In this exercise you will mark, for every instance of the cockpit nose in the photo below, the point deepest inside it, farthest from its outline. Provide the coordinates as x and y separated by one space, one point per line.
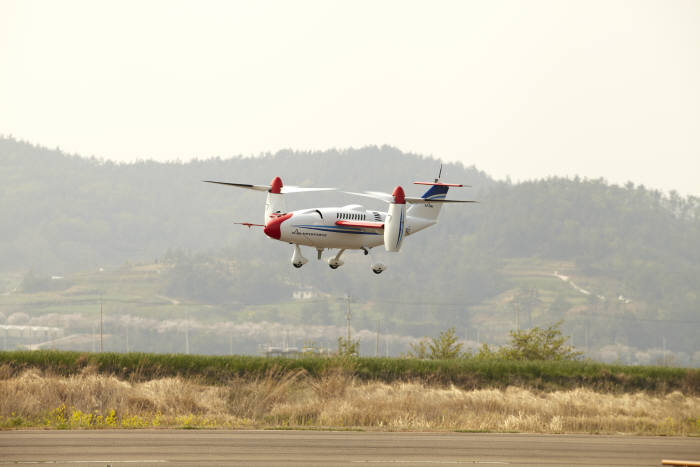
273 228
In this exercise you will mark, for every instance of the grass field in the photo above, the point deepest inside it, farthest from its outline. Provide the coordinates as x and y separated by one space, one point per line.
335 399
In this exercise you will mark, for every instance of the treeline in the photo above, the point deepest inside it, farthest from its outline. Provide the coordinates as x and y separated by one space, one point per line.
65 213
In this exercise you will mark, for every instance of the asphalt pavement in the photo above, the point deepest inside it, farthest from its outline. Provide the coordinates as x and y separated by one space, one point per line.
333 448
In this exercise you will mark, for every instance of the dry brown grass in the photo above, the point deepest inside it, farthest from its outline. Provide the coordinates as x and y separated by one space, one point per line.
335 399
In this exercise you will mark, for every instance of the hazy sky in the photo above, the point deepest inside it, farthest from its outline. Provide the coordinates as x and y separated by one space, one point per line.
527 89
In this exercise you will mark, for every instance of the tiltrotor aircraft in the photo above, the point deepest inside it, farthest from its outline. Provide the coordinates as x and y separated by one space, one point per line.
351 227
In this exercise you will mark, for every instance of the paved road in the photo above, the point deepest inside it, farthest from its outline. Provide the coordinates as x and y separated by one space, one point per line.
319 448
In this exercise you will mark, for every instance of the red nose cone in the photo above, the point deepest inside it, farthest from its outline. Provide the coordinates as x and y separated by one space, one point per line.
399 197
273 228
276 185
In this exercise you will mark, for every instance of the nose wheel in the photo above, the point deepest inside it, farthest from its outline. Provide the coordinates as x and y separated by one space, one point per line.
298 259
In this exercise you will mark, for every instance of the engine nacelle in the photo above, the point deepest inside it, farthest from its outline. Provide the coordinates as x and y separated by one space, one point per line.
275 199
395 222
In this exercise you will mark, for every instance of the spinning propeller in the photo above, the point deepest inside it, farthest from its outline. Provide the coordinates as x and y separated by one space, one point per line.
275 187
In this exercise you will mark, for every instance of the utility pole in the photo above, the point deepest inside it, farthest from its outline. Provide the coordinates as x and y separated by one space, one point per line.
100 323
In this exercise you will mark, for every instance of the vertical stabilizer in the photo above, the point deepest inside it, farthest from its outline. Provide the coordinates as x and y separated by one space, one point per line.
430 210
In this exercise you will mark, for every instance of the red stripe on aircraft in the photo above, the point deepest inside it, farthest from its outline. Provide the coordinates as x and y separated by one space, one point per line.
365 225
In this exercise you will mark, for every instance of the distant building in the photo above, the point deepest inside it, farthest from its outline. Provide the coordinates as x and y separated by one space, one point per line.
271 351
306 293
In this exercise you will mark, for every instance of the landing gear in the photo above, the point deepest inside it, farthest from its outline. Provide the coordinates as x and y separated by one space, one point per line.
377 267
336 262
298 259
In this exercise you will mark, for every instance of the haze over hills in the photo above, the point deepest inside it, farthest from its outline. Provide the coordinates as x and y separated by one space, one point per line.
620 265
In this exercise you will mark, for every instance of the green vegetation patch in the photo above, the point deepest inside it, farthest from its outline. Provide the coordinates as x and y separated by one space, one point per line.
462 372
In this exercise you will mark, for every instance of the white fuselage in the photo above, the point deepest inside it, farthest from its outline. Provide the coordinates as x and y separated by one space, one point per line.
317 227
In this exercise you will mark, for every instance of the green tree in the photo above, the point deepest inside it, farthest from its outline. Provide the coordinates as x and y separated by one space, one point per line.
419 349
539 344
445 346
442 347
348 348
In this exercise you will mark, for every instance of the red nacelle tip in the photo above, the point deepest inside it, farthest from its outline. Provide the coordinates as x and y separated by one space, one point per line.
399 196
273 227
276 185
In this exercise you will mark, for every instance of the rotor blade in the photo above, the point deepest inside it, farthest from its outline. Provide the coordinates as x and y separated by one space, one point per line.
299 189
242 185
386 197
381 195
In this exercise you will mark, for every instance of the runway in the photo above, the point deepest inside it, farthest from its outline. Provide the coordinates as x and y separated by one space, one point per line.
351 449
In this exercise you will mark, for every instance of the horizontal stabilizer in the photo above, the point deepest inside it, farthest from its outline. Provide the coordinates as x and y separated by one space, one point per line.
436 201
363 224
458 185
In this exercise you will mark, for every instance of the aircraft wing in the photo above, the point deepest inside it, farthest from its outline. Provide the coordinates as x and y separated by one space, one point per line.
363 224
249 224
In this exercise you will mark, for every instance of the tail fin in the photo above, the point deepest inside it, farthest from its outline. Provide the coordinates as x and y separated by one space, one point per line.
429 210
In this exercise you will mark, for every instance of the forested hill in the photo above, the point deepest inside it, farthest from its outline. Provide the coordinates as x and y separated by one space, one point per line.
62 213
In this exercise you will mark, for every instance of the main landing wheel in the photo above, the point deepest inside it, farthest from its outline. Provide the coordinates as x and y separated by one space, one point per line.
334 266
